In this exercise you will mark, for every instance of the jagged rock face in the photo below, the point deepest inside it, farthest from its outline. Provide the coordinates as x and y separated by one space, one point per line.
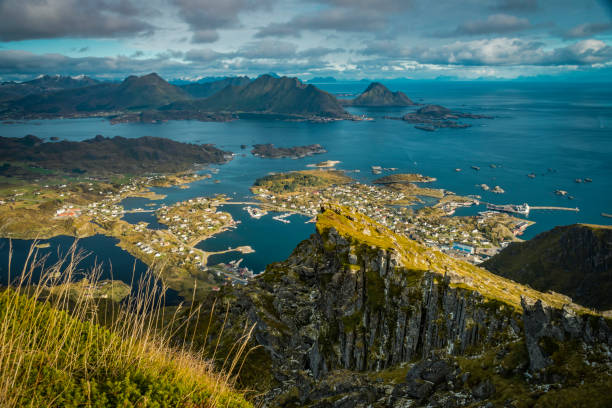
370 314
337 306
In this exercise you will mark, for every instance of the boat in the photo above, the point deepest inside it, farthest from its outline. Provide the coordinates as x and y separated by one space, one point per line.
255 212
475 168
588 180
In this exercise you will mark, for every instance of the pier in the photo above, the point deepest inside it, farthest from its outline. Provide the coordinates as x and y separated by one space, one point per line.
576 209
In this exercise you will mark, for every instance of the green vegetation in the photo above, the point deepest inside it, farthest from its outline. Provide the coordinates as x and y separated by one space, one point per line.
404 178
301 180
55 353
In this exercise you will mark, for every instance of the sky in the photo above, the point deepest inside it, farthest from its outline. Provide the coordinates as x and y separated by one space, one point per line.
347 39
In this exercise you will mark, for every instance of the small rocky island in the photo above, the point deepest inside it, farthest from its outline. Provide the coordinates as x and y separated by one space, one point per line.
432 117
269 151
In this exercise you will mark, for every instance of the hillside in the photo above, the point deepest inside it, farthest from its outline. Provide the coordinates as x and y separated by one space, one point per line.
44 83
55 358
102 156
134 93
268 95
360 316
376 94
575 260
206 89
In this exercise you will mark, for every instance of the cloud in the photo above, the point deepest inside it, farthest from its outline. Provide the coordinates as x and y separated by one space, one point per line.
587 30
516 5
497 52
15 64
205 17
204 36
341 16
32 19
271 49
494 24
203 55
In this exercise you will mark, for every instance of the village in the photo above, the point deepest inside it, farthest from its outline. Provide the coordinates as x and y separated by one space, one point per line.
473 238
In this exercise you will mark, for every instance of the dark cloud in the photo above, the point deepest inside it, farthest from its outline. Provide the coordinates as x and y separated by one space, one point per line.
494 24
587 30
205 17
497 52
204 36
32 19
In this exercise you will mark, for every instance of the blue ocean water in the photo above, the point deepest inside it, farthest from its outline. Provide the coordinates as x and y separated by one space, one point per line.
558 131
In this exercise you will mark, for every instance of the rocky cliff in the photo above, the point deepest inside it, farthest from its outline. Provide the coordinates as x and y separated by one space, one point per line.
575 260
360 316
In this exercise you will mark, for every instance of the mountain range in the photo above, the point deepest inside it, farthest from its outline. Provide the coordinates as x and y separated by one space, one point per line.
145 92
268 95
44 83
151 98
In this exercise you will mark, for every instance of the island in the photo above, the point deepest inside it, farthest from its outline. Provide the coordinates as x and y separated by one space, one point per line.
270 151
376 94
432 117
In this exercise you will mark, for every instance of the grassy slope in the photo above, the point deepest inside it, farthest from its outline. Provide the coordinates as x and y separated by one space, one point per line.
48 358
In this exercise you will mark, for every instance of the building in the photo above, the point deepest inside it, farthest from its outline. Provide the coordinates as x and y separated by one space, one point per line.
463 248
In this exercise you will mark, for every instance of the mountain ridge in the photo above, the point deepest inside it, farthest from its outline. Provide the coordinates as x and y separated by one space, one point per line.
376 94
575 260
268 95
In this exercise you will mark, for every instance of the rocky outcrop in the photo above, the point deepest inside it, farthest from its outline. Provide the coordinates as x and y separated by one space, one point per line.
341 308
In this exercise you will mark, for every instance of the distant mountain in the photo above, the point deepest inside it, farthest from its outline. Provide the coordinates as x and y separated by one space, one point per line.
575 260
322 80
206 89
377 94
42 84
268 95
145 92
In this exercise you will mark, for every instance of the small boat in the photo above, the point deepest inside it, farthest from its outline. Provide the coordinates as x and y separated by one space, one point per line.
588 180
475 168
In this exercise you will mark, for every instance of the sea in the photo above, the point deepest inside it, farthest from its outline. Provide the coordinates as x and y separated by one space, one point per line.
558 131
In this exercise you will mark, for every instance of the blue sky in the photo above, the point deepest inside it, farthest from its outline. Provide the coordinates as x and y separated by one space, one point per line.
416 39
